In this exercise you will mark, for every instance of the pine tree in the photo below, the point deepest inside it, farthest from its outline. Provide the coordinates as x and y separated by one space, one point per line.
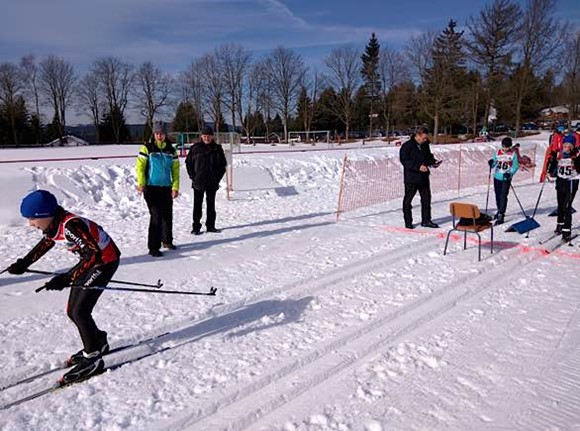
370 74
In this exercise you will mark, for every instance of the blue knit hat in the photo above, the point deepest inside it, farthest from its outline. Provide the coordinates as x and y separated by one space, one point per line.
39 204
569 139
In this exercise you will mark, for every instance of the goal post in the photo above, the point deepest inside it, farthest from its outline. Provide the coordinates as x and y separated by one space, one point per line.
311 137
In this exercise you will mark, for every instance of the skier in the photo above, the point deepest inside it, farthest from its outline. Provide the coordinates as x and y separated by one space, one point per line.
99 259
505 165
565 166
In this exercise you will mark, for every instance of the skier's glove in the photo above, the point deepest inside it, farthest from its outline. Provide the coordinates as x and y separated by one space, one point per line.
507 176
19 267
490 163
57 283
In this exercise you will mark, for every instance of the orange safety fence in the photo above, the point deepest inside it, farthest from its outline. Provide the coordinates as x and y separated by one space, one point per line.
369 182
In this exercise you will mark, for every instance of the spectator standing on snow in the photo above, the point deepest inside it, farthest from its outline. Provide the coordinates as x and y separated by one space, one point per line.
158 179
206 165
565 166
505 164
99 259
416 157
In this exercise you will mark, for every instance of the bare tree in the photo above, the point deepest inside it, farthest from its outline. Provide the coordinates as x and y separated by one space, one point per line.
235 61
192 89
213 88
540 40
571 69
344 76
393 70
492 43
116 78
251 98
90 100
152 91
286 69
57 83
312 85
10 92
30 75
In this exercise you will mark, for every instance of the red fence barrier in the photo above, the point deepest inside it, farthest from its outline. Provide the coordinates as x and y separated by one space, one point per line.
370 182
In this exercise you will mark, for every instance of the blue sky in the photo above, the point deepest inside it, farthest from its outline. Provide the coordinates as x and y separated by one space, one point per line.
171 33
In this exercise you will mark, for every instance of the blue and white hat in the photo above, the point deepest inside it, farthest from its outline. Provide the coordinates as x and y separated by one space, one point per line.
39 204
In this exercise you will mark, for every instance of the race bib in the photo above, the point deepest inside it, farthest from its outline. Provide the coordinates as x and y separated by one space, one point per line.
566 169
504 163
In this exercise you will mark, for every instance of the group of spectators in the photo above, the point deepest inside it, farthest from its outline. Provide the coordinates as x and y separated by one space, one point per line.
562 163
158 179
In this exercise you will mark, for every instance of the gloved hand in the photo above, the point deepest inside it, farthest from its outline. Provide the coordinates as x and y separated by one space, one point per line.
57 283
507 176
490 163
19 267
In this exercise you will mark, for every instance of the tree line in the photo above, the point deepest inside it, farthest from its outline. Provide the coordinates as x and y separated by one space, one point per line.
504 66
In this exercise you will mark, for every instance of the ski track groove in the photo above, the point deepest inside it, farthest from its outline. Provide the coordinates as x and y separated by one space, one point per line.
298 288
560 400
363 340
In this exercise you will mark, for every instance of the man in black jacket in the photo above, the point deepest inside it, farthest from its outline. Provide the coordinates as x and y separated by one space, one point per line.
206 165
416 157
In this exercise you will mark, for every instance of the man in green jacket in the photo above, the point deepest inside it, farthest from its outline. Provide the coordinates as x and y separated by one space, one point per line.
158 180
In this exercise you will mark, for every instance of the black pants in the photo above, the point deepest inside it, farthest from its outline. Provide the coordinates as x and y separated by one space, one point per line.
502 189
160 204
565 192
425 193
81 303
198 208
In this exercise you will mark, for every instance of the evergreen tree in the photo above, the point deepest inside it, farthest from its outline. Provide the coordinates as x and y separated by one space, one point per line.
113 122
186 118
370 74
445 81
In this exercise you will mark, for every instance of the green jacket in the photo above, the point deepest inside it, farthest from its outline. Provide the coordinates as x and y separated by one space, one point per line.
158 165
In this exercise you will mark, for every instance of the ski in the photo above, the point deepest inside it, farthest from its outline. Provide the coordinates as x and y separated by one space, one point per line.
65 366
550 238
561 243
58 385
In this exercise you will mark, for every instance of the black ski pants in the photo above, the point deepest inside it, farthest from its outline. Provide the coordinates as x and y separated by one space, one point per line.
425 193
81 303
565 192
198 208
160 204
502 189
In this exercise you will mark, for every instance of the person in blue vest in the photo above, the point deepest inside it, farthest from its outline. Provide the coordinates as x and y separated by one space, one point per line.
158 179
505 164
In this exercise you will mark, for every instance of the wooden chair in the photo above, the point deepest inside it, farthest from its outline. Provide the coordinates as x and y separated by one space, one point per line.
469 212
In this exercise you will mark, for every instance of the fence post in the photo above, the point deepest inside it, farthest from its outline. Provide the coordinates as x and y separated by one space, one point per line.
341 187
459 171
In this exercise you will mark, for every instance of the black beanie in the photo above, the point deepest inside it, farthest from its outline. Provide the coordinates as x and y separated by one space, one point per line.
506 142
207 130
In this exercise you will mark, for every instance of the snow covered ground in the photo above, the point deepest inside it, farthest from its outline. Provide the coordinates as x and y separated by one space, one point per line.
317 325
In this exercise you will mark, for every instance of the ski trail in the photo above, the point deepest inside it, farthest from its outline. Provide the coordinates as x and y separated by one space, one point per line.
278 389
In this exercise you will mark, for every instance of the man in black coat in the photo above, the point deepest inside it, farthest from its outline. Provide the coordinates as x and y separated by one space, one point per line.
416 158
206 165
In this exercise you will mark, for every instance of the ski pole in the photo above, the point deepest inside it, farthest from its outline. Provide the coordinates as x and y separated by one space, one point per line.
517 199
211 292
158 285
539 197
488 186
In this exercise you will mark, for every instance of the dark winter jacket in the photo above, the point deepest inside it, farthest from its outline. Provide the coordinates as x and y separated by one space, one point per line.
206 165
412 155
